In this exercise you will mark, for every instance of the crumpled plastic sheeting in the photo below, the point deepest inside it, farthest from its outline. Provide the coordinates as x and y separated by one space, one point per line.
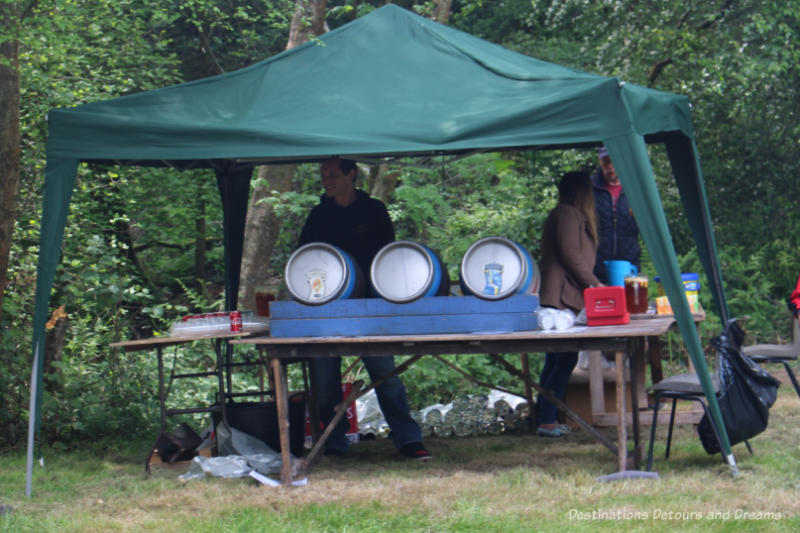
240 454
370 417
368 409
512 399
229 466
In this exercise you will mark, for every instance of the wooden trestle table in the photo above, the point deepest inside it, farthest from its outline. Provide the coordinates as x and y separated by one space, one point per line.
626 341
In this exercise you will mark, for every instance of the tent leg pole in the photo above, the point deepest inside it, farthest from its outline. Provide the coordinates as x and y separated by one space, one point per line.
32 424
732 463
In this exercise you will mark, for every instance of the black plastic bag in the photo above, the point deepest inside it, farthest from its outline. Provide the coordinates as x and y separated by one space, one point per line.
746 392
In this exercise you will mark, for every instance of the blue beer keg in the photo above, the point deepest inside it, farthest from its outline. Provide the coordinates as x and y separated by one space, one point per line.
494 268
318 273
404 271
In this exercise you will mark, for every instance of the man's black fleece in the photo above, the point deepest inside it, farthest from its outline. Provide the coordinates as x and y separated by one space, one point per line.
360 229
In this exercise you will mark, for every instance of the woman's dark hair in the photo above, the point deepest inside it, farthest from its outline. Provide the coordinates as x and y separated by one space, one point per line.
576 188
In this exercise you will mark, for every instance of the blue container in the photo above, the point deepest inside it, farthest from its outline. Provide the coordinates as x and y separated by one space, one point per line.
617 271
691 283
405 271
318 273
494 268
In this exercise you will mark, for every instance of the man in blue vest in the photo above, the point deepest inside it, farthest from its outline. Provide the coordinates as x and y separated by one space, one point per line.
618 234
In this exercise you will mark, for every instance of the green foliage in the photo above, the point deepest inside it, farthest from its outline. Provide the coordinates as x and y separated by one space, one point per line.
750 293
506 194
15 350
212 37
97 391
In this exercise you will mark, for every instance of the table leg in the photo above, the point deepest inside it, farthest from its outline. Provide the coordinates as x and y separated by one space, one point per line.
221 367
309 377
596 383
526 369
161 392
654 354
228 365
261 383
622 435
162 400
635 354
282 403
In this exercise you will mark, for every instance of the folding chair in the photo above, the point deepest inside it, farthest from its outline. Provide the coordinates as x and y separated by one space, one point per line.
779 353
679 387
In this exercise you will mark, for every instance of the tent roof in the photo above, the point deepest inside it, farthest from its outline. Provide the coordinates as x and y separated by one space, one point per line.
436 88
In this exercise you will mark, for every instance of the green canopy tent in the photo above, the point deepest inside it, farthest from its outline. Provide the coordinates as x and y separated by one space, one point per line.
388 85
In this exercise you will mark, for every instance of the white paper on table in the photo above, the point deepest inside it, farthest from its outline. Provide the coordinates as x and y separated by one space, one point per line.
573 329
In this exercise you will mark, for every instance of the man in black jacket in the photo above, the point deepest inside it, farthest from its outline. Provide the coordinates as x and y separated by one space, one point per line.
350 219
618 234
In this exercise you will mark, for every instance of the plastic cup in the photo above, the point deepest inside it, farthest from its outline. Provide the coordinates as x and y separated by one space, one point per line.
262 302
636 293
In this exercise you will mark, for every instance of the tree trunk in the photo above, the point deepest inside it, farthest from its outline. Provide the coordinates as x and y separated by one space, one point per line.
308 21
9 139
54 349
382 182
441 13
262 225
260 233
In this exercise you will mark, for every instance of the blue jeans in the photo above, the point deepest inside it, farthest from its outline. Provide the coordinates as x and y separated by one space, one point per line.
391 397
555 375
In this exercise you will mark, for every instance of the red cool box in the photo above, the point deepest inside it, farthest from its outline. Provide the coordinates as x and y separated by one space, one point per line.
605 306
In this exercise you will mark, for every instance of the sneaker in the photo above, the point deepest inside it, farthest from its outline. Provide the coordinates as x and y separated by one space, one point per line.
558 431
415 450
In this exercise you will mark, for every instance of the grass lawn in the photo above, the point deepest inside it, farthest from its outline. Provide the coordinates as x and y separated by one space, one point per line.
503 483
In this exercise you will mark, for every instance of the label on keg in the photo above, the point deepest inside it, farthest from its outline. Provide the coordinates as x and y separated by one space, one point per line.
493 274
316 284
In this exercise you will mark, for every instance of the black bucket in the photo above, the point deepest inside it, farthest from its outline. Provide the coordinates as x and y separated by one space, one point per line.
260 420
405 271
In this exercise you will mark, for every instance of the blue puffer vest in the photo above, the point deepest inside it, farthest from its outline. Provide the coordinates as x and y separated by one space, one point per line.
618 234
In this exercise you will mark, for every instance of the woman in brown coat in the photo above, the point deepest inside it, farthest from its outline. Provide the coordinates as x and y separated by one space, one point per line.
569 246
